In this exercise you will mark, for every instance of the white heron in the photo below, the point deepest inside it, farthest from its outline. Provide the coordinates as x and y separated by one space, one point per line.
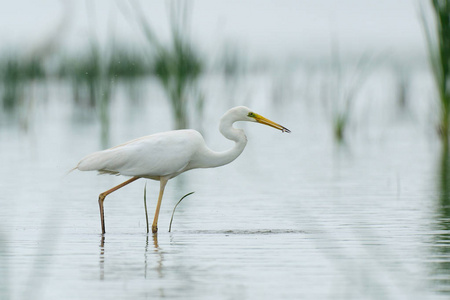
164 155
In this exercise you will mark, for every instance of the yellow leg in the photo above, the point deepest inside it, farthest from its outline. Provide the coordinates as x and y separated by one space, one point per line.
162 185
102 196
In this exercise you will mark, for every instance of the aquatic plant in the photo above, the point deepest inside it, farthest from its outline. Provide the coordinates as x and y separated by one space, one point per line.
175 207
11 83
437 33
126 63
344 91
113 62
84 70
91 83
232 62
15 72
177 65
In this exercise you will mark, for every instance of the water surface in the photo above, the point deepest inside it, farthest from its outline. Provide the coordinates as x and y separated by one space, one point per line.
296 216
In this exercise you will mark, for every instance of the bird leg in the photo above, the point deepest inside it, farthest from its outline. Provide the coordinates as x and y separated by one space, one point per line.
103 195
162 185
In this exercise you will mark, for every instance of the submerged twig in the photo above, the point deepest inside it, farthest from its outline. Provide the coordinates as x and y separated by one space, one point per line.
145 205
171 219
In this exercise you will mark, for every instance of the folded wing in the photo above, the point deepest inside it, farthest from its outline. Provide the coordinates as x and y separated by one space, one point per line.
157 155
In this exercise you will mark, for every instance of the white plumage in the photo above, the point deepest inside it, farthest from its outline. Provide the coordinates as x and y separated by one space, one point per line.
162 156
165 154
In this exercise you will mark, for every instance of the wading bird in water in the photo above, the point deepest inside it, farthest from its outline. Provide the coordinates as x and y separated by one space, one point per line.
163 156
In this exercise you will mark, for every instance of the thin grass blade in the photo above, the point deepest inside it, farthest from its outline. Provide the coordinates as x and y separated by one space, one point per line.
171 219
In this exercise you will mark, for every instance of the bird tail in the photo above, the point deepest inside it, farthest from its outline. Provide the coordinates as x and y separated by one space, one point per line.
71 170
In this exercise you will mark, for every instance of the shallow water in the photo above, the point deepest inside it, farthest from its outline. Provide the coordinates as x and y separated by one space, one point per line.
296 216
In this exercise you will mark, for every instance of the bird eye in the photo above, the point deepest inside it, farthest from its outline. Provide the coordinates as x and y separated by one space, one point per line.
251 115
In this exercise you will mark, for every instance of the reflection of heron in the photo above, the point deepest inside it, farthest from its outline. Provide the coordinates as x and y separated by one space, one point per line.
102 258
163 156
158 251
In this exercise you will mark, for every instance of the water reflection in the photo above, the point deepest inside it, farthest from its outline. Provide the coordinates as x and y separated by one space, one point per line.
441 241
145 256
159 253
158 257
102 258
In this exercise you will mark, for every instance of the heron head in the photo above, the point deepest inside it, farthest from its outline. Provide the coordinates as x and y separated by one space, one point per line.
242 113
254 117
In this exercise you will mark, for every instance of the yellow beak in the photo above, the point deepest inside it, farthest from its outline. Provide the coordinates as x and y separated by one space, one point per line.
262 120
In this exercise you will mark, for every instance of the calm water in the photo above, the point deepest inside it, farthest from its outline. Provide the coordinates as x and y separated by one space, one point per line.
295 217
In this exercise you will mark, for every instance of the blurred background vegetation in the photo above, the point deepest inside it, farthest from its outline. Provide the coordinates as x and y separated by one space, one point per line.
348 62
173 57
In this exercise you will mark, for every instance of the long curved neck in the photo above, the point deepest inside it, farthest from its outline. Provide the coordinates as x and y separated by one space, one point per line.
217 159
